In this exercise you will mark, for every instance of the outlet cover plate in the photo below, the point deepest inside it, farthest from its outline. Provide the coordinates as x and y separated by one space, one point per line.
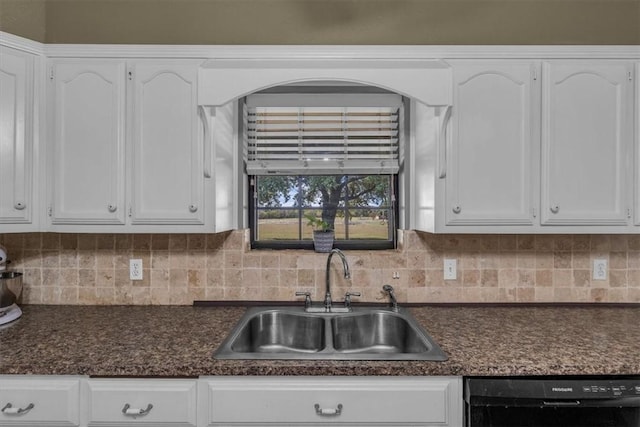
450 269
135 269
599 269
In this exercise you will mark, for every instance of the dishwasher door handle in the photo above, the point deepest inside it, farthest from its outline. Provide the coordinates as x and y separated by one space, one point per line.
562 403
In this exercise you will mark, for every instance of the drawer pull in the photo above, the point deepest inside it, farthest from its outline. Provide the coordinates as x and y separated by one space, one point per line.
328 412
10 410
136 412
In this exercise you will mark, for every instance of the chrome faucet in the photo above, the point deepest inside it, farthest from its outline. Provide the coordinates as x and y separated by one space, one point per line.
394 302
347 275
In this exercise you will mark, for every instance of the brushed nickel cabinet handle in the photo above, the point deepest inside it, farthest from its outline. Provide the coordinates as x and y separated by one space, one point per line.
328 412
10 410
135 412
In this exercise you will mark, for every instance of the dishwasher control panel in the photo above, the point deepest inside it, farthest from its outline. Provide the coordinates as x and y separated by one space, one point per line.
614 389
592 389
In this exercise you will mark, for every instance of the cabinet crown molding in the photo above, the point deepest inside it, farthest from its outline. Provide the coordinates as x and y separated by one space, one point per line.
322 51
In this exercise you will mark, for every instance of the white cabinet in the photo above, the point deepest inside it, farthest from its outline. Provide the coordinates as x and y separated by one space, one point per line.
150 402
68 401
87 155
533 149
167 170
16 138
491 156
128 151
587 130
32 401
637 150
341 401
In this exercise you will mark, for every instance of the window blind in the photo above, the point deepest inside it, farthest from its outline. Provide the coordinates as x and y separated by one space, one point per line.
322 134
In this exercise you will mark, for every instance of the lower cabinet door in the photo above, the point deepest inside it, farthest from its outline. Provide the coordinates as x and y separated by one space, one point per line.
301 401
150 402
39 401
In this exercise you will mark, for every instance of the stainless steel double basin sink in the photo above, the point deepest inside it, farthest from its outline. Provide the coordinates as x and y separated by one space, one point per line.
364 333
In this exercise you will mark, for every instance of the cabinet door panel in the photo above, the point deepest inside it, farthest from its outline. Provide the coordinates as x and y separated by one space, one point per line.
151 402
167 154
637 149
16 100
45 401
489 175
585 142
318 401
88 152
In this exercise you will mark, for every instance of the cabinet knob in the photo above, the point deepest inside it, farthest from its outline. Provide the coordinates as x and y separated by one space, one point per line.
193 208
20 206
135 412
555 209
112 208
10 410
457 209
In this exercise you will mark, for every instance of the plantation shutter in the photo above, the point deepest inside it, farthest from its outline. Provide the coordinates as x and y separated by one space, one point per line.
322 134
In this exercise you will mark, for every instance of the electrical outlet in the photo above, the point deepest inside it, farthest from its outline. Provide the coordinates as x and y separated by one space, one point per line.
599 269
135 269
450 269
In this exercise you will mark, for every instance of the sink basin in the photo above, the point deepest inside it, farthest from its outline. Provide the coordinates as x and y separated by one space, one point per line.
277 331
366 333
377 332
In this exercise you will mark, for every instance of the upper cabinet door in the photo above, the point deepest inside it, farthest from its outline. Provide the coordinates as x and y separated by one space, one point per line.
167 159
88 142
586 138
16 104
490 160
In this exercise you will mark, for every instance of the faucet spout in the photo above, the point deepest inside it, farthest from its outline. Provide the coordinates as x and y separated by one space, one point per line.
347 275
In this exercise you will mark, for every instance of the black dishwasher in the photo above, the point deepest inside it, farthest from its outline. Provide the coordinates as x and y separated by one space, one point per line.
552 402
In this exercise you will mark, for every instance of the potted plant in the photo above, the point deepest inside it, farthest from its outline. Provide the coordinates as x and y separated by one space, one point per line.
323 234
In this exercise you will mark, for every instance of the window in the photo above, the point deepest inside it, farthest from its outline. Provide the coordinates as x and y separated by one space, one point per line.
328 156
359 208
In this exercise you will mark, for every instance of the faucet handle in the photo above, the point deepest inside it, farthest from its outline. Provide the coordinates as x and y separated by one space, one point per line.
307 298
392 296
347 298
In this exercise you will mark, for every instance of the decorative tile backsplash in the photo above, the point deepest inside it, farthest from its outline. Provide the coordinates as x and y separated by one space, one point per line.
180 268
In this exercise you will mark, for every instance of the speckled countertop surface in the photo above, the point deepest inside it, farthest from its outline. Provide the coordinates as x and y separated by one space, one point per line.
178 341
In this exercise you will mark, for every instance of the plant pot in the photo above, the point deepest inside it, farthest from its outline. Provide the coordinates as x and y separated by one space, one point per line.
323 240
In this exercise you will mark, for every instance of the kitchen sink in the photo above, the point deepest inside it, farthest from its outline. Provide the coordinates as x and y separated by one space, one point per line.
364 333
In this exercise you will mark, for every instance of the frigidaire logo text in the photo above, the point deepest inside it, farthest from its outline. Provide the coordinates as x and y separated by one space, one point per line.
562 389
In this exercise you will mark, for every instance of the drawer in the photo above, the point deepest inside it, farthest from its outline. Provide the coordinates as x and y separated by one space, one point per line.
153 402
362 401
39 401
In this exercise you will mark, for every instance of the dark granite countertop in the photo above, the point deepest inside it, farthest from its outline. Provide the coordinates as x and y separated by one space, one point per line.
178 341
